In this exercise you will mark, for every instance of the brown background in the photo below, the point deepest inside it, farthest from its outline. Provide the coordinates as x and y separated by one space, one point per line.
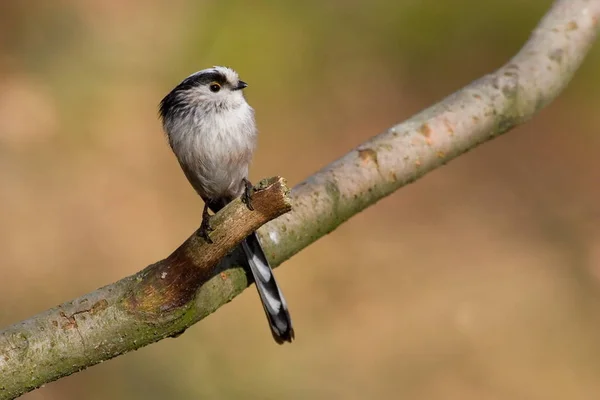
480 281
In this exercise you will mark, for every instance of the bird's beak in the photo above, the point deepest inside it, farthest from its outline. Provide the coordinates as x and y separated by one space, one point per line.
241 85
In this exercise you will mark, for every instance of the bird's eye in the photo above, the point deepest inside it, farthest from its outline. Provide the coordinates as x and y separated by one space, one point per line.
214 87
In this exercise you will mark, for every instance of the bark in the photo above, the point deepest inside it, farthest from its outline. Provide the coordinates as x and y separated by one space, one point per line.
160 301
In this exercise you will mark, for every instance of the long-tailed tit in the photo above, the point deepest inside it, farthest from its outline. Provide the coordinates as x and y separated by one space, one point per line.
212 131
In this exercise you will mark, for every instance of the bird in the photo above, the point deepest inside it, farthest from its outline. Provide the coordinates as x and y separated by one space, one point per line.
212 131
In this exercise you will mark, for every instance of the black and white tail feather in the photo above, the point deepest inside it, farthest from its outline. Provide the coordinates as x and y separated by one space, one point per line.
270 295
269 292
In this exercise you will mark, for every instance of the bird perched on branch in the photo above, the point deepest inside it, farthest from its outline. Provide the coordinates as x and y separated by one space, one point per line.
212 131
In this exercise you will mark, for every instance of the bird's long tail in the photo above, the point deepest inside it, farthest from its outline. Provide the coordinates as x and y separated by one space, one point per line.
270 295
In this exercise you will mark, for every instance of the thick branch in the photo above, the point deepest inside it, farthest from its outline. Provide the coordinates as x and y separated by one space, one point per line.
155 303
163 301
475 114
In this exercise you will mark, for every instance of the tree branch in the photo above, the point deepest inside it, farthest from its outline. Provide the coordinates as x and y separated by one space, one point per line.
160 301
473 115
164 299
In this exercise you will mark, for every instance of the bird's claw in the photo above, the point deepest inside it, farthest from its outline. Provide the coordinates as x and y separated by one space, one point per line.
205 227
247 195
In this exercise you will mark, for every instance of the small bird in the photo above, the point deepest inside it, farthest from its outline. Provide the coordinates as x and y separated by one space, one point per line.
211 129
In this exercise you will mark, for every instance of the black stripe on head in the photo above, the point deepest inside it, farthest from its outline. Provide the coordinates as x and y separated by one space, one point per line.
203 78
173 103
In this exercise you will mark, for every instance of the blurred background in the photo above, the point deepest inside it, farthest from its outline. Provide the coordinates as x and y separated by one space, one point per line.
484 276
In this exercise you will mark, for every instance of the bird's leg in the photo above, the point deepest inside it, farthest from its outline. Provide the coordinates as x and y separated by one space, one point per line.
205 227
247 195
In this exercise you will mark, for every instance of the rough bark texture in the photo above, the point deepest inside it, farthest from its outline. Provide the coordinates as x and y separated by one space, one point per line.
473 115
162 300
169 296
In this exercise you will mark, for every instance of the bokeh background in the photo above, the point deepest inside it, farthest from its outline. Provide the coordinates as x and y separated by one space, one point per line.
479 281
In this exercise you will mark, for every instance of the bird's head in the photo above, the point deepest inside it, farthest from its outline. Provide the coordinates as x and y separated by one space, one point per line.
212 89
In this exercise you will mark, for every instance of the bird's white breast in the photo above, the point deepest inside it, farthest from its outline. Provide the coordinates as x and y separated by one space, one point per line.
215 149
